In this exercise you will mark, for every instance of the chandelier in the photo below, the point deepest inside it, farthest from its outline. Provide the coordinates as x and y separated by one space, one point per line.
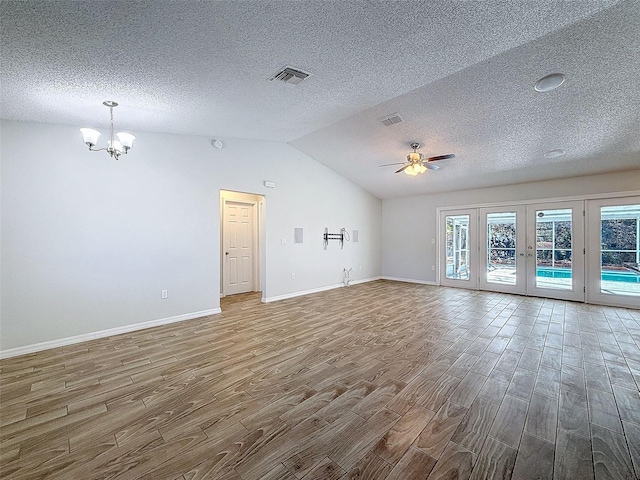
115 147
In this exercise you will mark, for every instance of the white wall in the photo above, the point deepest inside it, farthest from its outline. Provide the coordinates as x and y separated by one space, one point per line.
410 224
88 243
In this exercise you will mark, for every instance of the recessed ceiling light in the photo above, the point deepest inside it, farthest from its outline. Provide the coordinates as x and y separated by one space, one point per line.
554 153
549 82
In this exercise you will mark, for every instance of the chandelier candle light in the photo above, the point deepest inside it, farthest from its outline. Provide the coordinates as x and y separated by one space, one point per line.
115 148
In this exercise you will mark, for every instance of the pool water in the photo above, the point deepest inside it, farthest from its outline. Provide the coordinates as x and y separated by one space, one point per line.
626 277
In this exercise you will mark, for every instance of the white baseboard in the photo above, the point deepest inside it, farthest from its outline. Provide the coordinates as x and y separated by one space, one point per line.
409 280
62 342
315 290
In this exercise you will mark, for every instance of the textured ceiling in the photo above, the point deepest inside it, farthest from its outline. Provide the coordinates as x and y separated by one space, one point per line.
459 73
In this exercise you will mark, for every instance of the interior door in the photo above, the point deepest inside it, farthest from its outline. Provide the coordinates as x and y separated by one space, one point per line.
614 251
555 251
238 247
458 260
502 241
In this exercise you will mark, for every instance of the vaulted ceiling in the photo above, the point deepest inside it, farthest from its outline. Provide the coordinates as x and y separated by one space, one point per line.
459 74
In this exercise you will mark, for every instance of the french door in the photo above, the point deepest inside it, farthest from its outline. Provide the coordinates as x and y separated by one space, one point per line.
614 246
458 260
555 250
533 249
502 249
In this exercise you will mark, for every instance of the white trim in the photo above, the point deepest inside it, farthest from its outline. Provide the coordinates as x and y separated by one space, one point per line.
62 342
594 255
409 280
315 290
593 196
227 197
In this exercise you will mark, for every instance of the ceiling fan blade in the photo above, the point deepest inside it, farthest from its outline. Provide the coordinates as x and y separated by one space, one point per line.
403 168
440 157
431 166
389 164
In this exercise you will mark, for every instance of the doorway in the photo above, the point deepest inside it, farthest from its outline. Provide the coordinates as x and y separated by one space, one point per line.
241 234
535 249
614 246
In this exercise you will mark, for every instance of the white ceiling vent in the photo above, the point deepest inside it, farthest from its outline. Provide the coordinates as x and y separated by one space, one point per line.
389 120
290 75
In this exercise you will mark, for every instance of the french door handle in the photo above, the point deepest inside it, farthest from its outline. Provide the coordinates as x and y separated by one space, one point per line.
522 254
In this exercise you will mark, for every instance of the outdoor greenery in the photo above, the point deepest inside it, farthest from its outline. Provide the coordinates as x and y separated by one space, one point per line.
617 235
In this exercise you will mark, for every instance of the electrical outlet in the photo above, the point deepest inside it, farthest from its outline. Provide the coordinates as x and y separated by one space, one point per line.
433 267
360 267
293 276
164 294
283 241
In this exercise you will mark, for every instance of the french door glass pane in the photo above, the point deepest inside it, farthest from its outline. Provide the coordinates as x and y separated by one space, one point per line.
620 250
501 248
457 236
554 249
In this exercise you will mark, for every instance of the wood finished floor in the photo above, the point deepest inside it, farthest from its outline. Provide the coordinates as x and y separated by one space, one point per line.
383 380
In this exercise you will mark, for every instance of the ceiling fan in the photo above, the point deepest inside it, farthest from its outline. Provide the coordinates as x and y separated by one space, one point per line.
416 162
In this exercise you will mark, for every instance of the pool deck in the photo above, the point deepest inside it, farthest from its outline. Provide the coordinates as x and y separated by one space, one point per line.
506 276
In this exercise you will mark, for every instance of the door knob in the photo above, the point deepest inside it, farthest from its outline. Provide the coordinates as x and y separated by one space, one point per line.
226 253
522 254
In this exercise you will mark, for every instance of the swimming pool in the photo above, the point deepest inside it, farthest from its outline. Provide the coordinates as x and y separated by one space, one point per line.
625 277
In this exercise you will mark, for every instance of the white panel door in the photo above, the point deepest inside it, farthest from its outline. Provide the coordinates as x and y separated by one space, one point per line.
458 248
502 242
613 251
555 250
238 246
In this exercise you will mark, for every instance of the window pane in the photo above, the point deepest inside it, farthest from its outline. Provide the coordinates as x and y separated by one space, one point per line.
619 234
544 234
457 228
553 249
501 244
563 235
562 258
620 250
617 260
502 235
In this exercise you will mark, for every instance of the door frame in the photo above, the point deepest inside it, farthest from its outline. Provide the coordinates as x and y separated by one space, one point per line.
578 232
520 287
472 242
257 202
593 229
589 200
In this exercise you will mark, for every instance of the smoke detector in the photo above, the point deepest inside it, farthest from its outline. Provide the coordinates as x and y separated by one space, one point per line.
290 75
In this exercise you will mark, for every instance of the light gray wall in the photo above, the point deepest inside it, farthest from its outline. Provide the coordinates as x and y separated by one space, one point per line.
410 224
88 243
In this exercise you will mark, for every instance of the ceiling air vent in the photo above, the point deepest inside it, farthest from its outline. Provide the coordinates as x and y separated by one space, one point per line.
389 120
290 75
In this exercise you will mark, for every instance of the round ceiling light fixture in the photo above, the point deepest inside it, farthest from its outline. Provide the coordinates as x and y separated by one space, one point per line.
554 153
549 82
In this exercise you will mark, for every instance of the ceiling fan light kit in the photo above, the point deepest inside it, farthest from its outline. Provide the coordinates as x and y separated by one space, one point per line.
417 163
115 147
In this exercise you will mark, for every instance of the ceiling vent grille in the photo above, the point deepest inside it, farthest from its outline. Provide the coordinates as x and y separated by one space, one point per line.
290 75
389 120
